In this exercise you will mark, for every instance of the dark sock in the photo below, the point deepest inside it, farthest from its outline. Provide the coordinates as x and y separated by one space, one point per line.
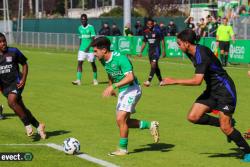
226 59
208 120
25 121
158 74
151 74
32 119
239 141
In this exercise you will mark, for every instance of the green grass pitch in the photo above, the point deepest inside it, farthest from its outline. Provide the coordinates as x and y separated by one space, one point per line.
81 112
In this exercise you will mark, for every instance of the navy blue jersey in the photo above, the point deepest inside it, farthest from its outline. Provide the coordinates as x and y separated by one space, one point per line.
9 67
217 80
154 38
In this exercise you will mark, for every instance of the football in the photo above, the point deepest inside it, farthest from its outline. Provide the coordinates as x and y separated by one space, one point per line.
71 146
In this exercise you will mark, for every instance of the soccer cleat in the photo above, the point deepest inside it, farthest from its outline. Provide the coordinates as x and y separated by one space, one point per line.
41 130
1 112
29 130
119 152
95 82
161 83
146 83
233 122
154 129
76 82
246 158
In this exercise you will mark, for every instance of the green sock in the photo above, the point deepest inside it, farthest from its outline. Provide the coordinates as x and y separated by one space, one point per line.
95 75
79 75
123 144
145 124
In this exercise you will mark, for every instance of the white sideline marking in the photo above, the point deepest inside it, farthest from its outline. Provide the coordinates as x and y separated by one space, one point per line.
60 148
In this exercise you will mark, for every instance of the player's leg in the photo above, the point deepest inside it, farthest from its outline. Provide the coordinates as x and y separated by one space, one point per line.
81 58
39 126
234 135
15 106
152 72
198 115
158 73
91 59
121 120
226 50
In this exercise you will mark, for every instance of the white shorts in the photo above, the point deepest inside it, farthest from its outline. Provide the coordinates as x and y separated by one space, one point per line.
128 99
84 55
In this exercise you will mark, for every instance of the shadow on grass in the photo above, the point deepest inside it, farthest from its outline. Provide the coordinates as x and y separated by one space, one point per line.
103 82
49 134
236 154
162 147
8 115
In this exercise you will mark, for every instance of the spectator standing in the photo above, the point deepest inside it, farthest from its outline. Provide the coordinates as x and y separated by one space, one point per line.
189 23
138 28
171 29
115 31
105 30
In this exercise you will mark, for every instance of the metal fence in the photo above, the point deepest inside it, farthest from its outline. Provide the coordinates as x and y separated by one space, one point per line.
242 27
47 40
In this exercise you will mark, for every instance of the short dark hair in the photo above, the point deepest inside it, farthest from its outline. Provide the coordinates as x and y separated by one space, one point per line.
2 35
101 43
84 15
188 35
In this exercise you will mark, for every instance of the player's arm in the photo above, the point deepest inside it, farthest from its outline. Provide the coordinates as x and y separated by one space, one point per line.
195 81
142 48
109 91
163 47
24 76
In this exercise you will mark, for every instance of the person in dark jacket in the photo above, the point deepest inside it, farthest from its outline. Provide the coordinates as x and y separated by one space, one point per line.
115 31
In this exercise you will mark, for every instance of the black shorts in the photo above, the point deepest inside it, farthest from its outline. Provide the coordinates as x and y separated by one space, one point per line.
225 104
12 88
224 45
154 55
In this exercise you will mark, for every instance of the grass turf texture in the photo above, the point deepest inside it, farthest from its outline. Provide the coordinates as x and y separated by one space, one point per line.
81 112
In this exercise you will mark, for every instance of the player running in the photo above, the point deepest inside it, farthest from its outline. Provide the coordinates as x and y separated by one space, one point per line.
86 34
121 77
154 37
220 93
12 83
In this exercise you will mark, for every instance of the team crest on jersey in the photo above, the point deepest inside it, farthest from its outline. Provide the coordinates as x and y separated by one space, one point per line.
9 59
113 65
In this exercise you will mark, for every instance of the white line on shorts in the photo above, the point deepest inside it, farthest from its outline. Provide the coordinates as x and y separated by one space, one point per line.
60 148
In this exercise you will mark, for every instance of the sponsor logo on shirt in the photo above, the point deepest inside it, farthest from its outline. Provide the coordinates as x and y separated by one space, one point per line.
5 69
226 108
8 59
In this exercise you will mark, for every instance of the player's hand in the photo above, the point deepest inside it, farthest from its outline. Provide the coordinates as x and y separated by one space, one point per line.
168 81
109 91
21 84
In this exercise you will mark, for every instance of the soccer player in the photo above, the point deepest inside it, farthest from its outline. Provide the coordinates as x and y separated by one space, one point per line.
223 35
220 93
12 83
86 34
154 37
121 77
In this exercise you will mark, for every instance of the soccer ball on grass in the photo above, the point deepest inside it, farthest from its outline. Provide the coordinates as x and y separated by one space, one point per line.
71 146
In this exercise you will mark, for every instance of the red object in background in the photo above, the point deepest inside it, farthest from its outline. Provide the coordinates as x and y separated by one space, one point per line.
216 112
